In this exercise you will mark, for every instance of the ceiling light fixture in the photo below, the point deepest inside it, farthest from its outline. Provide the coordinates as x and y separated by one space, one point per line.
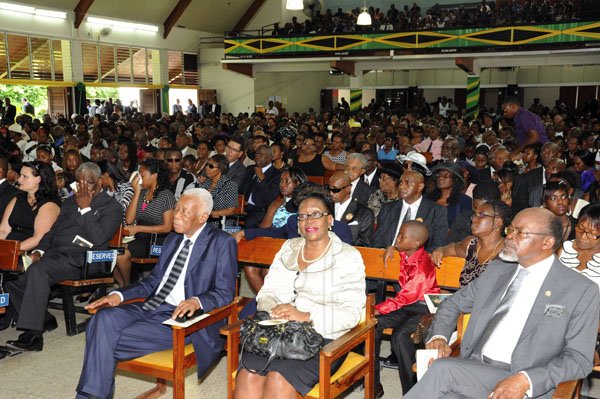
17 8
364 18
49 13
294 5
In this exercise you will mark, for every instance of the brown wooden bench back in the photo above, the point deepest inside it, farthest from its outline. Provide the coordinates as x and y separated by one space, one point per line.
9 254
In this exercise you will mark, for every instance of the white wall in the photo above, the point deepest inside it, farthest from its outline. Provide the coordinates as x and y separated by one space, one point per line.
547 95
235 92
299 91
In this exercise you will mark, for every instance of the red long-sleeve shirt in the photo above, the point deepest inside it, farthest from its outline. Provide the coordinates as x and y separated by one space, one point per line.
417 278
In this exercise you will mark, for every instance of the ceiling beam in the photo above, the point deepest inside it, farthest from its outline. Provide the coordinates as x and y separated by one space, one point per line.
174 16
244 69
345 66
248 15
80 10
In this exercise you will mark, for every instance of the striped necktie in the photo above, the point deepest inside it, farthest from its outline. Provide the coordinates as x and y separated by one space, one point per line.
157 300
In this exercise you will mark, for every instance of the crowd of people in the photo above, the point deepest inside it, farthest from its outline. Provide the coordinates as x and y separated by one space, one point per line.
465 15
521 185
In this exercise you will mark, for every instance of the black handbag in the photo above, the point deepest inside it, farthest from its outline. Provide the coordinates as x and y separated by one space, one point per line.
291 340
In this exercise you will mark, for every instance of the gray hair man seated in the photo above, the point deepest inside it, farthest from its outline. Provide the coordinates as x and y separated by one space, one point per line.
533 323
197 269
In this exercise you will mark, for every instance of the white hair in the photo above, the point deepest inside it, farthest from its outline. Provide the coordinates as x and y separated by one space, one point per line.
206 201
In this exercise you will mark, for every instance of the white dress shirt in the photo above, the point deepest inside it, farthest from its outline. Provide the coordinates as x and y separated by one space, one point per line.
341 208
177 294
369 178
503 340
414 207
354 184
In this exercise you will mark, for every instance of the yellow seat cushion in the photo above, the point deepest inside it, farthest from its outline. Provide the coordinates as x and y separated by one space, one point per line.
162 358
352 360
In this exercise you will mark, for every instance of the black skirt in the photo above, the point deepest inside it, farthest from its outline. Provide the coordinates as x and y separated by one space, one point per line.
303 375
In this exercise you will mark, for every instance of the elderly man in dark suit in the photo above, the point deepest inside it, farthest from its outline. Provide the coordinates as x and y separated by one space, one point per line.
196 270
412 207
533 322
260 186
90 214
356 165
348 210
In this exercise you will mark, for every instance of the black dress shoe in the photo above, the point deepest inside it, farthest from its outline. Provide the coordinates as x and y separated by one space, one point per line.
28 342
378 391
50 324
390 362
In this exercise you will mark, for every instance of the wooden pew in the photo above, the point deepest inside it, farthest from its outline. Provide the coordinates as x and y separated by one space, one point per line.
9 261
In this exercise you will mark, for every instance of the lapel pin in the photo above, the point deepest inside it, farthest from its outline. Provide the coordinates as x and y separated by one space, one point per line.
548 294
349 216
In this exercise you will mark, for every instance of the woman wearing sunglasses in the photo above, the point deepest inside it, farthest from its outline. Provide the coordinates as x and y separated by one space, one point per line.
223 191
314 278
487 226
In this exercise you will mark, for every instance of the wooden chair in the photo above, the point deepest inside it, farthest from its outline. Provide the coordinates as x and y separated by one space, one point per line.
316 179
139 264
9 261
239 213
354 368
448 273
171 364
564 390
87 283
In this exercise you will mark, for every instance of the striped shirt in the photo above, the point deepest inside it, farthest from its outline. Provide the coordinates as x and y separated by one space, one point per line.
153 214
225 193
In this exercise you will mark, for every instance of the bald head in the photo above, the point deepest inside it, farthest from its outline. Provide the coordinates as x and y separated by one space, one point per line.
340 179
414 176
535 234
417 231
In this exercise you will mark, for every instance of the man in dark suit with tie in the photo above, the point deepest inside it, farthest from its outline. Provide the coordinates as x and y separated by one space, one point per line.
392 214
533 322
213 108
234 152
348 210
356 165
7 190
260 186
90 214
196 270
372 172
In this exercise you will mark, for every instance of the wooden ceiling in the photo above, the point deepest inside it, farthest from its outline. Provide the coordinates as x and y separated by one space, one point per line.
213 16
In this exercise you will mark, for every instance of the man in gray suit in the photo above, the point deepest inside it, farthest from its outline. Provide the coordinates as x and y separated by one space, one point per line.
533 324
233 152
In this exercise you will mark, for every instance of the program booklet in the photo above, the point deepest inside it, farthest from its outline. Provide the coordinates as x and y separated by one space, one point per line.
433 301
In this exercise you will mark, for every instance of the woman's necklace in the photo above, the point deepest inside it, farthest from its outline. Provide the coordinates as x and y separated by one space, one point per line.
493 252
318 257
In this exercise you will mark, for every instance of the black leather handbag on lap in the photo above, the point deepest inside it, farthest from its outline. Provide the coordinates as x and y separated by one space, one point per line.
291 340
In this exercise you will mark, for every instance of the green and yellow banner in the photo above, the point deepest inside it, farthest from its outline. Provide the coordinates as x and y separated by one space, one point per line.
473 82
355 100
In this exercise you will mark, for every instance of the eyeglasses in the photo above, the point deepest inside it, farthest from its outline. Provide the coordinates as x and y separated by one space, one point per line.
583 232
314 215
520 233
211 166
481 215
336 190
171 160
233 149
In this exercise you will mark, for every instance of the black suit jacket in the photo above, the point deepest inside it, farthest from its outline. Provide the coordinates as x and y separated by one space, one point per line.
263 193
361 221
434 216
523 186
362 192
485 174
375 181
211 277
97 226
237 173
7 192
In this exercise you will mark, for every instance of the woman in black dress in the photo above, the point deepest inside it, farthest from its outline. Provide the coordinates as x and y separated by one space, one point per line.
308 160
32 212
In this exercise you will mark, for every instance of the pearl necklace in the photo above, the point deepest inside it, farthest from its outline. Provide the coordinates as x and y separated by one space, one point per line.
317 258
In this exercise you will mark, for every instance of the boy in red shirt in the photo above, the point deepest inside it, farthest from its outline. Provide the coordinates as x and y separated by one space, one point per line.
403 311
